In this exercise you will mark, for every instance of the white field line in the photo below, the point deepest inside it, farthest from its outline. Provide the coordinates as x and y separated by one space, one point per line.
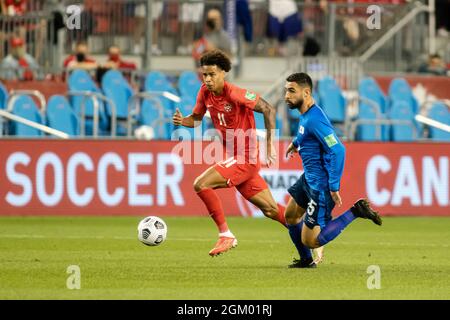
35 236
403 244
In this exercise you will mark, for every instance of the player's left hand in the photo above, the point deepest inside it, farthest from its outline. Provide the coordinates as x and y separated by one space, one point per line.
271 155
336 198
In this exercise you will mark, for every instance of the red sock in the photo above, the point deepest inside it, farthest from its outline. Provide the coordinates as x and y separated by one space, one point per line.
215 209
281 219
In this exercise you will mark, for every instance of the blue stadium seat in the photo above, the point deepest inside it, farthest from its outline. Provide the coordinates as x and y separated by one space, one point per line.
400 110
259 121
25 107
369 89
331 99
3 96
60 116
152 116
157 81
368 132
279 124
399 90
293 119
189 84
439 112
316 97
117 88
80 80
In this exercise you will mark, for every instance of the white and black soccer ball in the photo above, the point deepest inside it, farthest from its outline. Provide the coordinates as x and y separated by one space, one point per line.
152 231
144 133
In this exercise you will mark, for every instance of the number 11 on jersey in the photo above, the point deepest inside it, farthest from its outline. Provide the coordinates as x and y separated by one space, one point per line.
221 117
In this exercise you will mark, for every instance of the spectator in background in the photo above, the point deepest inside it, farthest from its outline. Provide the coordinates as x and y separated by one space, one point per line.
13 7
311 48
18 65
139 13
115 60
80 59
215 37
244 19
88 23
8 28
435 65
190 14
284 22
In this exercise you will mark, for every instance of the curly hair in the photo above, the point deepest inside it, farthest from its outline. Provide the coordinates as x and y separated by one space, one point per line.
218 58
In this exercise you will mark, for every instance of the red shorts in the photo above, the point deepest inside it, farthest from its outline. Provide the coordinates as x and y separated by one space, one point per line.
245 177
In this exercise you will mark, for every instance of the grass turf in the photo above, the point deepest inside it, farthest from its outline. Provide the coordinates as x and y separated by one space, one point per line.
413 255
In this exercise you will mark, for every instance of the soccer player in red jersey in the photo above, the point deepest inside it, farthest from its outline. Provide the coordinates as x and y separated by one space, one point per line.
231 109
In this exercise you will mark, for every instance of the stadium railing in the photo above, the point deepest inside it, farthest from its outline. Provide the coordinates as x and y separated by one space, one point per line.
433 123
408 26
378 123
36 29
107 22
134 107
338 28
12 117
347 71
13 94
349 119
96 118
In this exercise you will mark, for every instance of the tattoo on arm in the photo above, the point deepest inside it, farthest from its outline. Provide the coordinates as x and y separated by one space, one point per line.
262 106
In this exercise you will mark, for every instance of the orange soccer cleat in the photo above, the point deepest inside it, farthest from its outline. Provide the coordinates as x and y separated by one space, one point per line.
223 245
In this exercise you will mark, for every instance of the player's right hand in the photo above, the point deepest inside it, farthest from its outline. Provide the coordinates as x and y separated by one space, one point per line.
336 198
291 150
177 118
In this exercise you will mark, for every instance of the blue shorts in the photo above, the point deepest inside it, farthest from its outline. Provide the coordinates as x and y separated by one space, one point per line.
290 27
318 204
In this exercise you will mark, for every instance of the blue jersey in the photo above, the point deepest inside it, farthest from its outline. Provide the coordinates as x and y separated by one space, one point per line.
322 152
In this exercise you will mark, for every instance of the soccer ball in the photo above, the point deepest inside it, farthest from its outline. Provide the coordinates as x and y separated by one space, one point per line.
144 133
152 231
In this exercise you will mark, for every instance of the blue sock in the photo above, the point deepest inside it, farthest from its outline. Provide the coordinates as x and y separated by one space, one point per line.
295 231
335 227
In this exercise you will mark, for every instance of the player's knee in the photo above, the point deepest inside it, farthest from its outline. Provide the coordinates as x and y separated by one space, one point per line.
199 185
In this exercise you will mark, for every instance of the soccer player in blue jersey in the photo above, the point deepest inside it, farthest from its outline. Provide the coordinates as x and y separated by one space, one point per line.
317 190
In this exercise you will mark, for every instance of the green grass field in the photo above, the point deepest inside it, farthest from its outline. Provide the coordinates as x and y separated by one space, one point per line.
413 255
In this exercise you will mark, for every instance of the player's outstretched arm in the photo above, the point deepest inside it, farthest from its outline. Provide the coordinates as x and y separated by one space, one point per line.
269 112
190 121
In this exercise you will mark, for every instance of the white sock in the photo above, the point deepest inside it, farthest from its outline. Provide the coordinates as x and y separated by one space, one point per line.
227 234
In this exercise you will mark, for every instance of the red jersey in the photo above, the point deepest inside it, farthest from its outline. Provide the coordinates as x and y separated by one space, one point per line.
14 8
73 58
232 115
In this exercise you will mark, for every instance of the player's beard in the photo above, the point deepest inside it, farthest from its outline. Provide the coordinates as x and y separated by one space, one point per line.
296 105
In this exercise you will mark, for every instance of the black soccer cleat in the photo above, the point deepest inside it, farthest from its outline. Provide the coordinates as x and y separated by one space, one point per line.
303 263
362 209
